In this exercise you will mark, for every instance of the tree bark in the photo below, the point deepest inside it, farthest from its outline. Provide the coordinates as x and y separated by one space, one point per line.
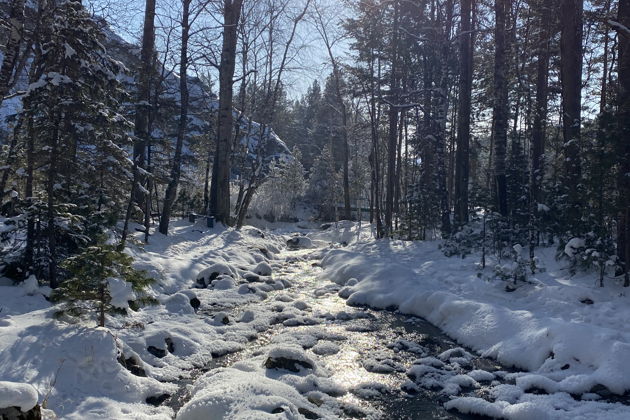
50 208
12 48
623 121
571 12
500 111
537 171
441 117
171 188
220 187
143 110
462 162
393 128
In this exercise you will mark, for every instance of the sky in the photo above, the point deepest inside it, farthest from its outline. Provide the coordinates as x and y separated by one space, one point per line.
126 19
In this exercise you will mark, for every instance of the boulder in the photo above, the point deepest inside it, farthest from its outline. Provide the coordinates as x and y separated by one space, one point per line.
263 269
299 242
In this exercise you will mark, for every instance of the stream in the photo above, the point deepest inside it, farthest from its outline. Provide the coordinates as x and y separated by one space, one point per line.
373 347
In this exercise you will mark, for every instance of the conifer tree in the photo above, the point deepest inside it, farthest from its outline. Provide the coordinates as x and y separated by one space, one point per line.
101 280
75 122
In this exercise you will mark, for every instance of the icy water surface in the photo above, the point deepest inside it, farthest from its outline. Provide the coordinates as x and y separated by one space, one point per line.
367 351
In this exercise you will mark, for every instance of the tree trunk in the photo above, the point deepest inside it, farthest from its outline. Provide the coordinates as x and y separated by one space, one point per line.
441 117
571 77
143 105
220 187
623 121
12 48
30 218
50 210
537 171
462 163
393 129
500 112
171 188
143 110
101 306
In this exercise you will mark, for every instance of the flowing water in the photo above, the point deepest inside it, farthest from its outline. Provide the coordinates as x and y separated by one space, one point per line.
375 347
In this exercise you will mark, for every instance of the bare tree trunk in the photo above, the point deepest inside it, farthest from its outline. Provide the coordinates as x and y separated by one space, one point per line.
462 162
50 209
441 117
220 187
12 47
393 128
623 121
571 77
540 121
30 218
143 110
171 188
500 106
143 106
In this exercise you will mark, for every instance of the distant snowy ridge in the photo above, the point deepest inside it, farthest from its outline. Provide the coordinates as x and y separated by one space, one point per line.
203 105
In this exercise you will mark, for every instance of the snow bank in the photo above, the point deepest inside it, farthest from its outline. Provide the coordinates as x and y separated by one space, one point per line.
256 390
109 373
83 363
543 327
13 394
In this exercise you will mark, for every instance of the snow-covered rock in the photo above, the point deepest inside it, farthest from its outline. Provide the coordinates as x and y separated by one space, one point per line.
263 269
13 394
179 303
299 242
241 392
207 275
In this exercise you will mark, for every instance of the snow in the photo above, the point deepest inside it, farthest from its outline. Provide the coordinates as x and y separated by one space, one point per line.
20 395
83 362
568 349
572 247
263 269
121 292
30 285
567 346
255 389
233 393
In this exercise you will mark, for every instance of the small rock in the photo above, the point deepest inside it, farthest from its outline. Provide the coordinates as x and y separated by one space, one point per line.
221 318
251 277
157 400
195 303
159 353
14 413
284 363
170 345
307 413
132 365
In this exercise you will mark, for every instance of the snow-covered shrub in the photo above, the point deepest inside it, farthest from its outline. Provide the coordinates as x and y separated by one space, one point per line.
277 196
101 280
590 252
463 242
513 272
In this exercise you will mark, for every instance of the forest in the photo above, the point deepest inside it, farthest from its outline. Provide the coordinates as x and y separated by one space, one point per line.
168 166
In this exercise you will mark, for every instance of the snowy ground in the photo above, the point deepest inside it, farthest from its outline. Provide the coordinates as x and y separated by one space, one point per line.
247 328
571 336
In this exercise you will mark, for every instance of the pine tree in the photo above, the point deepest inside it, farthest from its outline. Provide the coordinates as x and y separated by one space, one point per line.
102 280
76 133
